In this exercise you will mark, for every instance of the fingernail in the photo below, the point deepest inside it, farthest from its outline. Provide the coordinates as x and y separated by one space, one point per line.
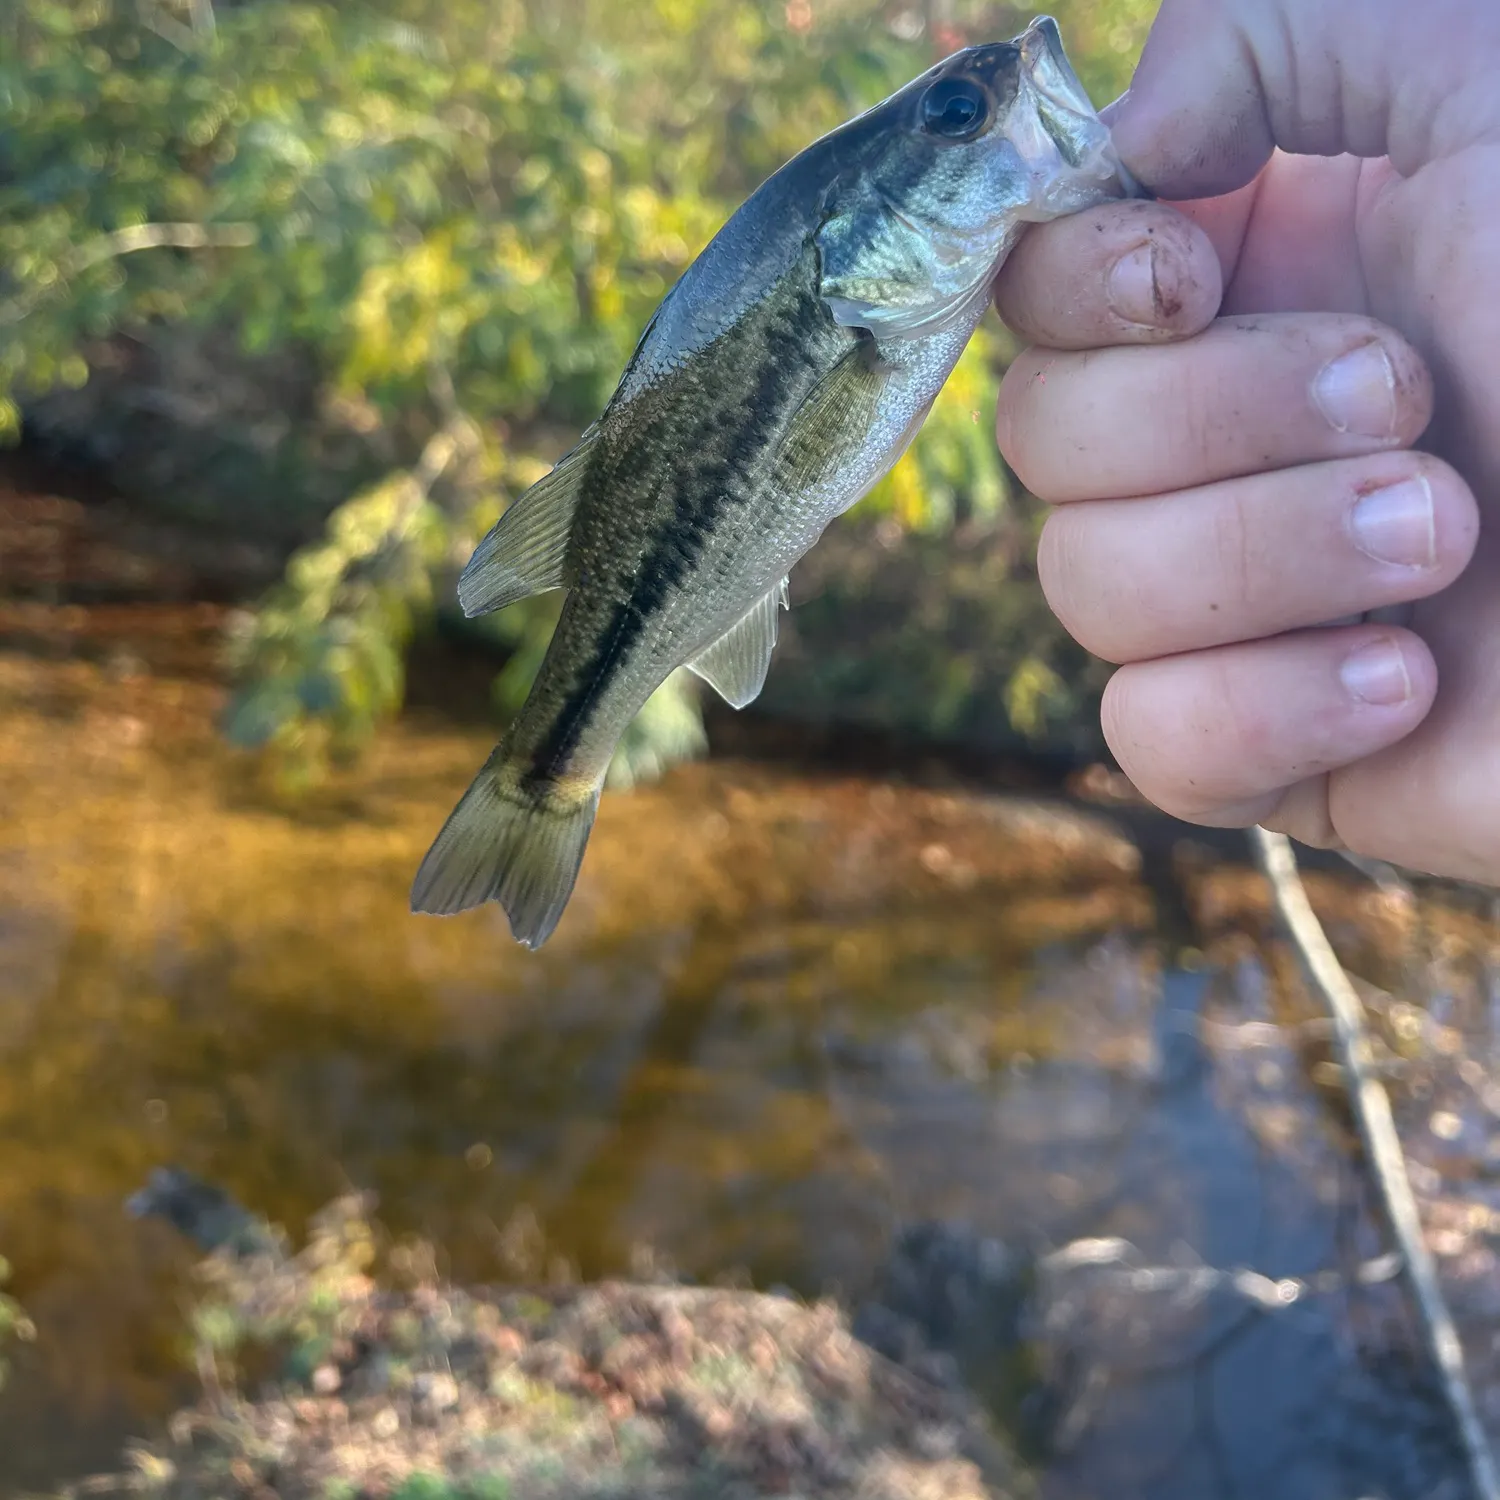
1376 674
1134 290
1357 392
1395 524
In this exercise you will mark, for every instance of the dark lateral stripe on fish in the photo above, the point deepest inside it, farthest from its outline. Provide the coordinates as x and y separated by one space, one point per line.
703 496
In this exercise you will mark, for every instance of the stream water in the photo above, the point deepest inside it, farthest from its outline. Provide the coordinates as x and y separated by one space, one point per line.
791 1010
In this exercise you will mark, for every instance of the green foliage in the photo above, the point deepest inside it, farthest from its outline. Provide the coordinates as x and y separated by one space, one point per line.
322 658
15 1326
301 1307
930 637
449 216
433 1487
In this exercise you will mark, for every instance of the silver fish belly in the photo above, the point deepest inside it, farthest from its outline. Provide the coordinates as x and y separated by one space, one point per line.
781 377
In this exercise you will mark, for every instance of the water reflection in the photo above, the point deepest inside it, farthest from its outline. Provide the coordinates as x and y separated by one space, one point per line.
786 1014
1162 1373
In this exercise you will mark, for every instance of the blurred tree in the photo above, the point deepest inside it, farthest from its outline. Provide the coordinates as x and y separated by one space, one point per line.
350 276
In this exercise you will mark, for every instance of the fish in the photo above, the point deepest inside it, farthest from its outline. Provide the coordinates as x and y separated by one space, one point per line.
778 380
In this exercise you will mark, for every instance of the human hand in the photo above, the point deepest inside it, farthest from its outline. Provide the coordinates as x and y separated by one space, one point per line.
1222 407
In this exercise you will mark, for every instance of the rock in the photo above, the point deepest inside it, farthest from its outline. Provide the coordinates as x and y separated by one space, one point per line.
618 1388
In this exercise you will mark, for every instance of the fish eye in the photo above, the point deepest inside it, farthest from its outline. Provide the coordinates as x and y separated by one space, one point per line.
954 108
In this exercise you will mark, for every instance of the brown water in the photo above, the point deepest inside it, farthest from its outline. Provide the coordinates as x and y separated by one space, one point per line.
787 1011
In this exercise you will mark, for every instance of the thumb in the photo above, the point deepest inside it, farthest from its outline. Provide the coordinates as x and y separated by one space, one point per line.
1223 82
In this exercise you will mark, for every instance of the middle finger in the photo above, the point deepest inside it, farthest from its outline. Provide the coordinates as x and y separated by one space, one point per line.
1257 556
1249 393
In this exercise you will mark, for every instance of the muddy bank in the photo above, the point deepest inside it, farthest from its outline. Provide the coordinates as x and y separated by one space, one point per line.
545 1393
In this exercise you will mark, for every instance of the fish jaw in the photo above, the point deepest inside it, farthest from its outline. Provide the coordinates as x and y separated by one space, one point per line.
1068 149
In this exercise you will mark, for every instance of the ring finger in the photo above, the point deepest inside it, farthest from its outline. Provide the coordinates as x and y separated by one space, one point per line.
1218 736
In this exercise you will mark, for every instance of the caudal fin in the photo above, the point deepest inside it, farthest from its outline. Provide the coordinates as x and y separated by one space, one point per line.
511 843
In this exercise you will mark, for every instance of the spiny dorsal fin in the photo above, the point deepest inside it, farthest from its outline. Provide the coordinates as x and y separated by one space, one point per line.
523 553
834 420
735 666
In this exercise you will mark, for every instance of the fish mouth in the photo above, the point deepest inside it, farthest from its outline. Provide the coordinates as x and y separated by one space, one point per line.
1066 111
1063 106
1042 53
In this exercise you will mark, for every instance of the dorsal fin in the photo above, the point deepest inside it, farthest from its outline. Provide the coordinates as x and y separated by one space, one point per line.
524 551
735 666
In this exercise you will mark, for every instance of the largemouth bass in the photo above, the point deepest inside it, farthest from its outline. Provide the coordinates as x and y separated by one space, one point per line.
779 379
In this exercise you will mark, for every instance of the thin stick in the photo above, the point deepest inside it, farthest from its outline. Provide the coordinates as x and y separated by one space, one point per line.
157 236
127 242
1372 1109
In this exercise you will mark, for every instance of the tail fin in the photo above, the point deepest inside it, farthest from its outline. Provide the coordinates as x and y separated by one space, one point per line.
510 843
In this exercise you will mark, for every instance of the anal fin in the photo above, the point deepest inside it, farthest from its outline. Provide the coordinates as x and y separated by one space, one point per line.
525 549
735 666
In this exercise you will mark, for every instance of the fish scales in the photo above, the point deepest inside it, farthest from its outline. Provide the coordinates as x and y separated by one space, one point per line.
777 382
688 476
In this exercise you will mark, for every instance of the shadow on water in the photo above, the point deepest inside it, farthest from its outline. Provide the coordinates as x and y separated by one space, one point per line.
787 1015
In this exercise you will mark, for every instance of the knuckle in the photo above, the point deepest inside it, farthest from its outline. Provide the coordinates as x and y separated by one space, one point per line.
1231 530
1303 814
1195 744
1078 591
1248 726
1019 290
1062 568
1015 421
1204 414
1149 758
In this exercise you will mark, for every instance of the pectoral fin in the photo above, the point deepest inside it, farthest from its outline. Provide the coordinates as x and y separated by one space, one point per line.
524 551
834 420
735 666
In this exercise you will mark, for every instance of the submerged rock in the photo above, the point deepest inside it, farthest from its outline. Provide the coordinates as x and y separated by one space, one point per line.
203 1213
946 1290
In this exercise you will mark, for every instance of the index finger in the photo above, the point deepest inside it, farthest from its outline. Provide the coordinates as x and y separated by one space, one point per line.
1121 273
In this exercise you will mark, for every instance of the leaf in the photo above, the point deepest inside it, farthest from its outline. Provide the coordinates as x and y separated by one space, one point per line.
257 713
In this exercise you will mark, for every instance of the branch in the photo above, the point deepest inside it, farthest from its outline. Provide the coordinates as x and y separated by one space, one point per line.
205 25
440 451
185 38
445 445
1372 1109
127 242
1123 1260
154 237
